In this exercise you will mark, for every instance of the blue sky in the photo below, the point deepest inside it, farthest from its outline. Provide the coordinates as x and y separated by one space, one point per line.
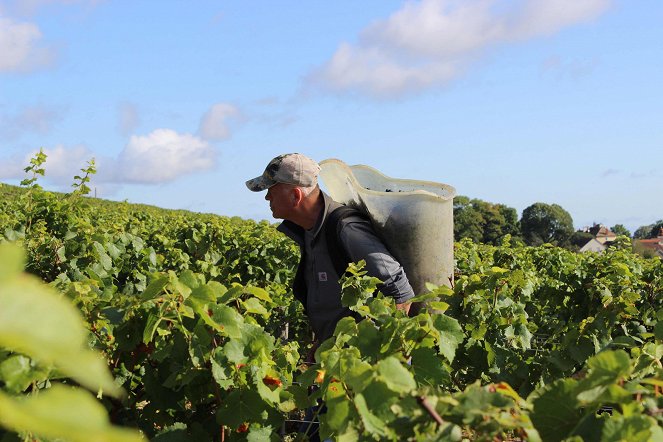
513 102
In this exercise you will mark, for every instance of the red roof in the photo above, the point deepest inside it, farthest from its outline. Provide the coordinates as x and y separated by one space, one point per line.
655 244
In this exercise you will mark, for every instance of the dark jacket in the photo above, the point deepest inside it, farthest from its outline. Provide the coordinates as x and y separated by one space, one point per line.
316 283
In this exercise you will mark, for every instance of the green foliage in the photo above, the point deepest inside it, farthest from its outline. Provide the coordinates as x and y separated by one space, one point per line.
42 338
35 169
648 231
80 181
196 322
546 223
642 232
656 229
620 230
579 239
482 221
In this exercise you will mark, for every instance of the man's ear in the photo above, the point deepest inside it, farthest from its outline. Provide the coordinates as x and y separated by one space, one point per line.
297 196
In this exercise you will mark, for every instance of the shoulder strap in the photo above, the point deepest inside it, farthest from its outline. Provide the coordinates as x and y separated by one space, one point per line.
337 252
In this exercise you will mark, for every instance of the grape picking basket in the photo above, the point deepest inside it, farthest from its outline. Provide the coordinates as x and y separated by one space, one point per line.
414 218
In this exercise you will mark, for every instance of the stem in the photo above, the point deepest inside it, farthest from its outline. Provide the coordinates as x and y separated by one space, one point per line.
429 408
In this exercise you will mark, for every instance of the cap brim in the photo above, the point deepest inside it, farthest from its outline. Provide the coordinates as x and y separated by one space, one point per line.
259 184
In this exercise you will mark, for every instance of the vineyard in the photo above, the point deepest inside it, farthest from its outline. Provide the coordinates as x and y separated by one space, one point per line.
121 322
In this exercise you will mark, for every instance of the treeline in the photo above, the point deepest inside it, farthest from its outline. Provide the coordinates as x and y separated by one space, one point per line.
489 223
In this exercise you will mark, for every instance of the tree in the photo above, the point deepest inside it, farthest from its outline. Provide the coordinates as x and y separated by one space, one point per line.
620 229
648 231
656 229
511 226
643 232
482 221
546 223
579 239
468 221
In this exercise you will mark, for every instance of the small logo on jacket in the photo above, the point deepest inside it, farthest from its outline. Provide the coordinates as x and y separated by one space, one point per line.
322 276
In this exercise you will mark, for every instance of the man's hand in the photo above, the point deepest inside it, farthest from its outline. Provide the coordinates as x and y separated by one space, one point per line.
404 307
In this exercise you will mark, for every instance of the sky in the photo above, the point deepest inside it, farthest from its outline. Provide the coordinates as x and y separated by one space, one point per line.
179 103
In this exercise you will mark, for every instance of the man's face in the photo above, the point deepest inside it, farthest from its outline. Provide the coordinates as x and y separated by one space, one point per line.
281 201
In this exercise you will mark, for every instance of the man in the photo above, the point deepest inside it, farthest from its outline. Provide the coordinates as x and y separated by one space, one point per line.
291 181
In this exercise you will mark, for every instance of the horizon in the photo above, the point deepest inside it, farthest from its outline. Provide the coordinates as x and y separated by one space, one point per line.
509 102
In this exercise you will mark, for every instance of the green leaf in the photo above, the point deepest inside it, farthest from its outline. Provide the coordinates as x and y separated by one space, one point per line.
253 305
451 335
372 424
608 367
635 428
258 293
265 392
234 351
221 371
397 377
658 331
151 326
224 319
18 373
113 251
104 259
13 260
519 336
356 373
203 294
429 368
260 434
338 407
241 406
556 411
438 306
190 279
231 294
39 322
62 412
155 288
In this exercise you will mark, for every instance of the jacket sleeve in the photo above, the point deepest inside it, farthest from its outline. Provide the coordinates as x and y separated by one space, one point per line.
361 242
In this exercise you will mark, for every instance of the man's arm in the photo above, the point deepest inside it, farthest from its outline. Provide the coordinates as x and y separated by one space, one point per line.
361 242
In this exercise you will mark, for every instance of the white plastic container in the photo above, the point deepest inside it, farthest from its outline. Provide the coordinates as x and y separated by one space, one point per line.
415 218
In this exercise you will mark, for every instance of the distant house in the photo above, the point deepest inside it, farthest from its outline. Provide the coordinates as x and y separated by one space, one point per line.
593 245
603 236
655 245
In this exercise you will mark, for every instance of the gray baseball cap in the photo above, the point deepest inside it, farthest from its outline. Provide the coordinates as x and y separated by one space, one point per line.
290 168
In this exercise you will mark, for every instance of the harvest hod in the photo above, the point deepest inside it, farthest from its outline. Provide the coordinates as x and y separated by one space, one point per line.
195 321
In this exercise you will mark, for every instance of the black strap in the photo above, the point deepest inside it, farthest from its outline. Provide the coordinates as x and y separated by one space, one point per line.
339 256
337 253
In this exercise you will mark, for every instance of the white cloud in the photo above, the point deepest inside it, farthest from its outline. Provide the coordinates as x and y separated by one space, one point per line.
128 118
62 164
12 168
29 7
19 47
214 124
162 156
431 42
159 157
36 119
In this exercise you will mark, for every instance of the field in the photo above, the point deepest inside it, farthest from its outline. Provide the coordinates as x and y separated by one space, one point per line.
120 322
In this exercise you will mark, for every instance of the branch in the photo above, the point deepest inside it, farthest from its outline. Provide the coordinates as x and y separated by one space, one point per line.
431 411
